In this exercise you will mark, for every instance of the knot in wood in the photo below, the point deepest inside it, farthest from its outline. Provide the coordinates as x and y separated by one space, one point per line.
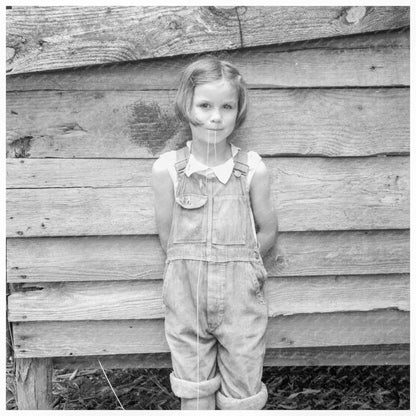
226 12
174 25
10 53
355 14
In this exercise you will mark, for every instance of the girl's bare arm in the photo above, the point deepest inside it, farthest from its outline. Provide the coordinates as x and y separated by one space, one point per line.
263 210
163 201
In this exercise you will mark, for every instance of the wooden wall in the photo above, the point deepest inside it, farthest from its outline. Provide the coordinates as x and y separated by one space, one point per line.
329 112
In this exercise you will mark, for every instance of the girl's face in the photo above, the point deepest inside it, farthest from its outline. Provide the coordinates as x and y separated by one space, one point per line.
215 106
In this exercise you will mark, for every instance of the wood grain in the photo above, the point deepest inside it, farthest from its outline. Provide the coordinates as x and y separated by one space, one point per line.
84 258
34 383
70 173
131 124
72 338
394 354
80 301
265 25
40 38
308 194
79 259
369 60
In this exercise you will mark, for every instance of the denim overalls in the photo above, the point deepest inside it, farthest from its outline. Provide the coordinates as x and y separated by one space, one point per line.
215 311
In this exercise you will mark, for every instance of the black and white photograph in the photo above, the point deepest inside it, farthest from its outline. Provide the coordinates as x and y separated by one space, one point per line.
207 207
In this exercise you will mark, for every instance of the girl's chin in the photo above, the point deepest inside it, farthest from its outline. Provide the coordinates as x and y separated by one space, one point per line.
215 134
213 139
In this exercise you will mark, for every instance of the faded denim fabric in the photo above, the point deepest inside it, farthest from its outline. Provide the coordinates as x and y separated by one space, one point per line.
215 310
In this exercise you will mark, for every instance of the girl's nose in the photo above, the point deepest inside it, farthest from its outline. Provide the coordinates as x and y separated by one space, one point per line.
215 116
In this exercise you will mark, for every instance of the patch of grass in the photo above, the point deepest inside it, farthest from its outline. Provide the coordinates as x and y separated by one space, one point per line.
336 388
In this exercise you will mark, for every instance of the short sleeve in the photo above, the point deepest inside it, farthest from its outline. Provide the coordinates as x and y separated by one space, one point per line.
253 160
167 161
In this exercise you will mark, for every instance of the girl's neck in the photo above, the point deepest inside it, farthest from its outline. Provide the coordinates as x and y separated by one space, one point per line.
209 154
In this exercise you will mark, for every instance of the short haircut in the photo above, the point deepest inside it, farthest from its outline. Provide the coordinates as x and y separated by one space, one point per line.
208 69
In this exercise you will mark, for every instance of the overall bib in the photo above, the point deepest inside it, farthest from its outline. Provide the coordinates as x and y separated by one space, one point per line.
215 310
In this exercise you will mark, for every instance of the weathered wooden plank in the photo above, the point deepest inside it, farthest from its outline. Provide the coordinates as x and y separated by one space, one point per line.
393 354
355 193
72 338
40 38
265 25
70 173
123 258
34 383
80 301
84 258
376 59
80 211
126 211
287 174
131 124
61 37
308 194
356 252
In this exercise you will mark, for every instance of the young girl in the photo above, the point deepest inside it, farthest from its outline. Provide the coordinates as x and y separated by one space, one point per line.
210 198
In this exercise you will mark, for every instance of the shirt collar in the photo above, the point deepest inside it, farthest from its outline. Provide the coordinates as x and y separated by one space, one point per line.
222 172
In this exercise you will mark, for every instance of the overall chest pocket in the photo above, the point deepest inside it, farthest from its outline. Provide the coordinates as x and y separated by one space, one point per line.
229 220
191 221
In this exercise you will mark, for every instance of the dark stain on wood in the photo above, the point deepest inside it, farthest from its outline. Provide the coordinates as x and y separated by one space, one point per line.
228 13
22 287
70 127
150 126
240 11
20 147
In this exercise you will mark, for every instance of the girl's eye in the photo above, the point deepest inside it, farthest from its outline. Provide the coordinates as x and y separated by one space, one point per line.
204 105
228 106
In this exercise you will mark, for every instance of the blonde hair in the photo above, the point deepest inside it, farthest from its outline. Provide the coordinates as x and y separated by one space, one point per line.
208 69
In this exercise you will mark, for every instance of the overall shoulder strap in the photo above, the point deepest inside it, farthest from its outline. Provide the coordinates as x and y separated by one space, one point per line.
182 157
240 163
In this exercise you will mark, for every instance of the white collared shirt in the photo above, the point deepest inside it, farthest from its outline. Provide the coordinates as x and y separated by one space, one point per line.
222 172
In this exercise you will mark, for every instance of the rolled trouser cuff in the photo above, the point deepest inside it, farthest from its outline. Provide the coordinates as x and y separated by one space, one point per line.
191 389
255 402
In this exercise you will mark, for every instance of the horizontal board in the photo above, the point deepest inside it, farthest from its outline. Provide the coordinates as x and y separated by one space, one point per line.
111 258
376 59
71 173
132 124
80 211
286 173
40 38
308 194
394 354
80 301
84 258
54 339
